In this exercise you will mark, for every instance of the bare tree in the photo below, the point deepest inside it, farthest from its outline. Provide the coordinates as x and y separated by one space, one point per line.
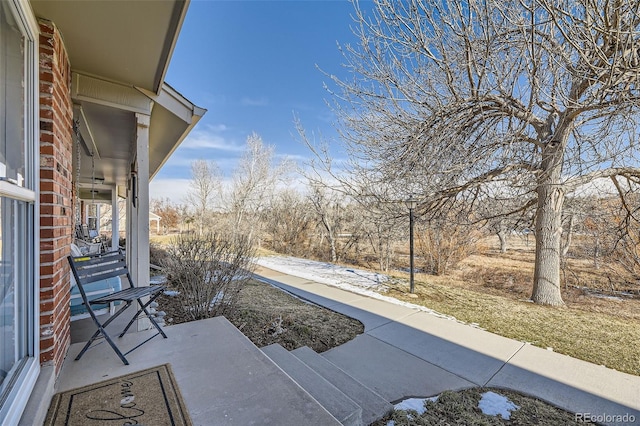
381 229
504 214
184 216
448 96
378 209
167 210
254 182
205 184
625 250
288 221
329 208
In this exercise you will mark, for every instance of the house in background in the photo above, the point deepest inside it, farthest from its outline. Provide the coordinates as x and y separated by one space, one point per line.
85 115
155 219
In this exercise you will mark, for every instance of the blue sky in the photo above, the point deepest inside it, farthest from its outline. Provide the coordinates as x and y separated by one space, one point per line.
252 65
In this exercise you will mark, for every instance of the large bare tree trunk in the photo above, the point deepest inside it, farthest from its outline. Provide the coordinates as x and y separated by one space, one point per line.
332 244
502 236
546 279
567 243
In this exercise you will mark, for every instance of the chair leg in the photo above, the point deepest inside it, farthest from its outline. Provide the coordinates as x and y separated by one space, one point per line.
108 339
151 318
101 330
143 308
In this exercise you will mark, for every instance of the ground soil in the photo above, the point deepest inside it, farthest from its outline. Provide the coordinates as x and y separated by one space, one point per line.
461 408
267 315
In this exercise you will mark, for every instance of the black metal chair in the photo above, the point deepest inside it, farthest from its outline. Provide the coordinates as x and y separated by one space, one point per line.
88 269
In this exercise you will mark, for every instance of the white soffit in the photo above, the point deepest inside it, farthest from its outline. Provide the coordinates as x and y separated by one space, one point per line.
129 42
95 90
119 53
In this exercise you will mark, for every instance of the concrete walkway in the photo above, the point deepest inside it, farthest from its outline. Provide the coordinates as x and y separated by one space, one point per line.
405 352
223 378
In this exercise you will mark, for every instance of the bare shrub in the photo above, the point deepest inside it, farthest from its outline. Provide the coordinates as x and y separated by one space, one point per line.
626 255
441 244
157 254
288 222
208 271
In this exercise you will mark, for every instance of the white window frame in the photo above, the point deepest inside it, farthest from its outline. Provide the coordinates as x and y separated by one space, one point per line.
17 397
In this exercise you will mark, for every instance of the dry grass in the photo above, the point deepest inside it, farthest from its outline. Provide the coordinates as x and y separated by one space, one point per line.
269 315
162 240
461 408
492 290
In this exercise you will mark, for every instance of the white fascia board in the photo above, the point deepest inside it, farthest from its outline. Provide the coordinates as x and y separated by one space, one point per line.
175 26
181 107
178 105
91 89
85 130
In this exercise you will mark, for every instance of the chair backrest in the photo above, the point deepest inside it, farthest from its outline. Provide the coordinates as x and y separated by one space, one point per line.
79 235
88 269
75 250
85 231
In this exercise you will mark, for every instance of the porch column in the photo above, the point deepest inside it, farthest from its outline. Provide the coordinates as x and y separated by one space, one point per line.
115 219
139 237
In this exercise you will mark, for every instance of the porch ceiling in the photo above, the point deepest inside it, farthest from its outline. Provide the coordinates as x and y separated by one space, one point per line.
119 52
128 42
109 131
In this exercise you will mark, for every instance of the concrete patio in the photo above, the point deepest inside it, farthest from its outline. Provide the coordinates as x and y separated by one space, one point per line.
222 376
403 353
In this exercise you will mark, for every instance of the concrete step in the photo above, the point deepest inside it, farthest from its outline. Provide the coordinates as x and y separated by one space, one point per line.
373 405
345 410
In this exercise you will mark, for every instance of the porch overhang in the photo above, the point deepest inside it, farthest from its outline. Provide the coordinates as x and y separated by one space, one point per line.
127 42
105 114
172 118
119 53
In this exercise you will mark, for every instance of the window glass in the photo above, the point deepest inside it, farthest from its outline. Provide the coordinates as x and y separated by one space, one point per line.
18 146
13 278
12 98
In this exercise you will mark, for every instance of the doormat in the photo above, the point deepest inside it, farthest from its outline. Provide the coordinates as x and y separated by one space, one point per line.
147 397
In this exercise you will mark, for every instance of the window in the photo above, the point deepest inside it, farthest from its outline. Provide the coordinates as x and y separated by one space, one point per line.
12 98
19 365
14 306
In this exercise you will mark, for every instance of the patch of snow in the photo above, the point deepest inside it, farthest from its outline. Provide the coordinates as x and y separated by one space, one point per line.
604 296
357 281
324 272
171 292
494 404
217 298
414 404
391 423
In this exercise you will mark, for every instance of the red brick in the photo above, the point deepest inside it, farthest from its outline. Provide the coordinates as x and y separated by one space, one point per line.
46 269
46 76
56 149
46 319
46 174
46 141
46 29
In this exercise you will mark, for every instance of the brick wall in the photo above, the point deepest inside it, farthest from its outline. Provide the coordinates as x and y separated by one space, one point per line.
56 148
